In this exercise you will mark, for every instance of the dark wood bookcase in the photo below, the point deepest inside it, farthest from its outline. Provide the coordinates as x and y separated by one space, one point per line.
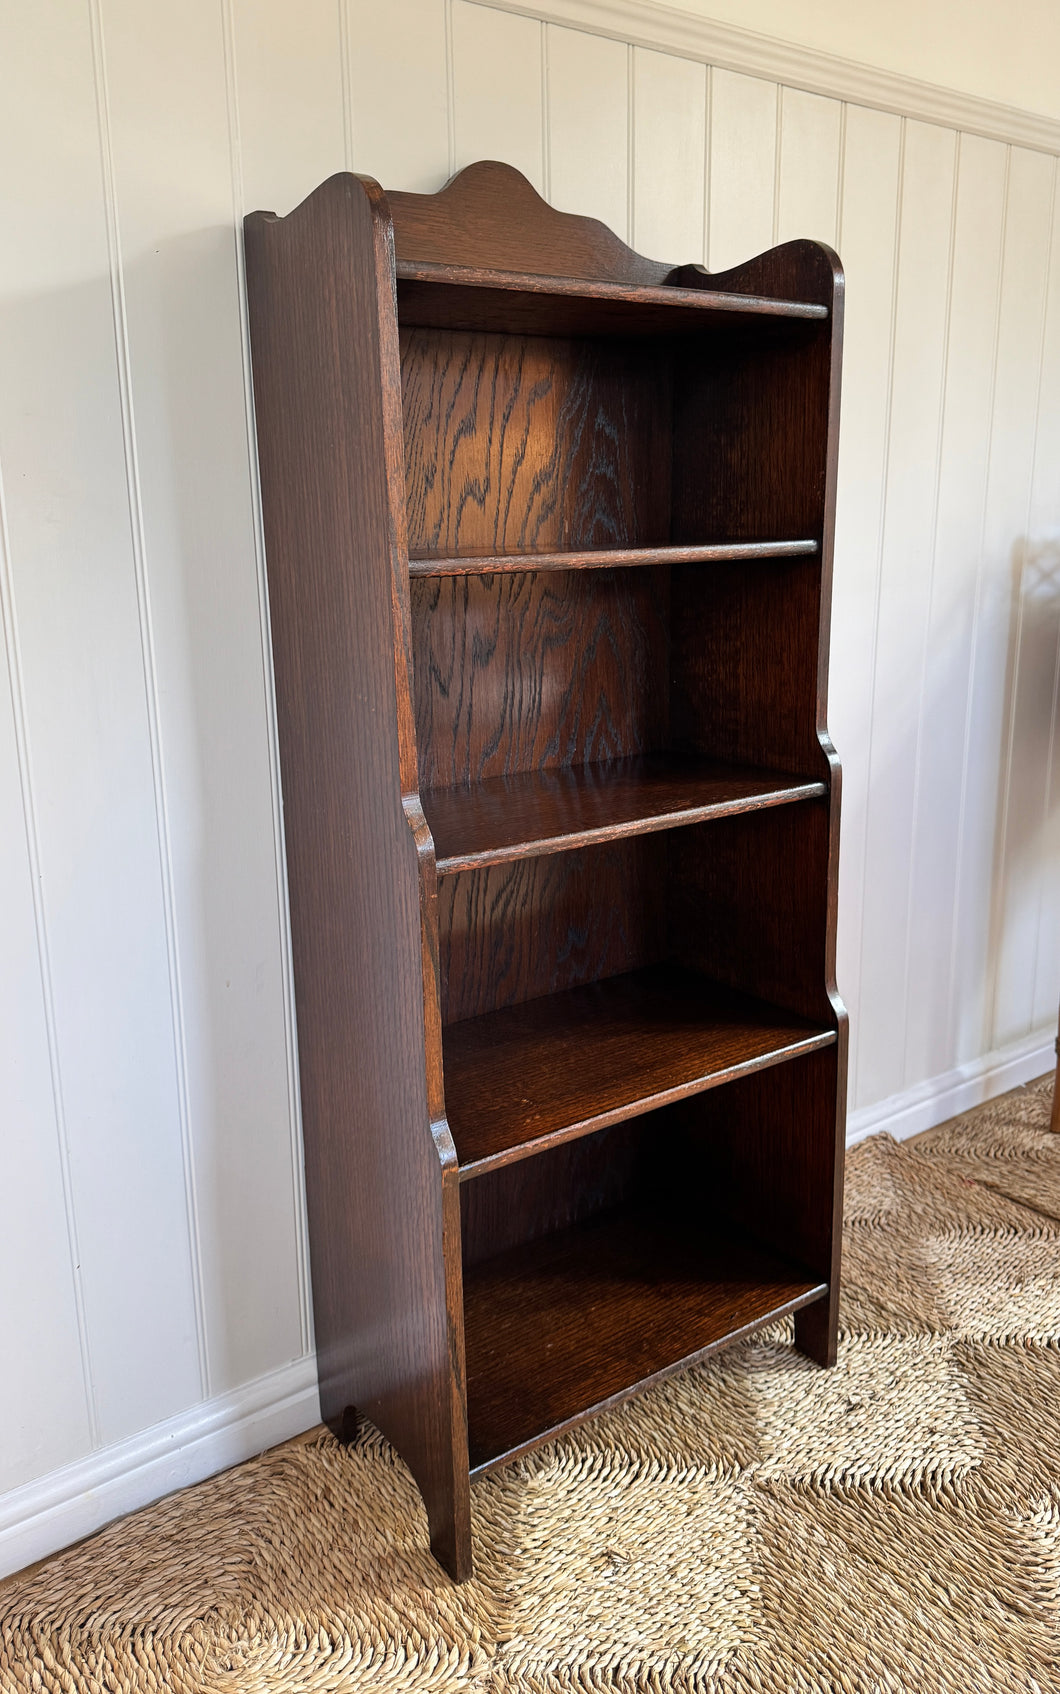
549 536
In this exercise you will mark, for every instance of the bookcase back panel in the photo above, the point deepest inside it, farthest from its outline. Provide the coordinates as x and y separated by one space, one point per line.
535 670
745 655
577 1180
767 1148
517 931
751 437
523 444
748 904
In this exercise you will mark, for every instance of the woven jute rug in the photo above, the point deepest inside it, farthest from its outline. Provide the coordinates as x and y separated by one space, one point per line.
754 1524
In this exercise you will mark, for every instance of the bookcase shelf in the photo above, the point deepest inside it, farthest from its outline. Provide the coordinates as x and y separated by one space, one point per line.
608 558
549 537
652 1298
546 1070
556 810
444 296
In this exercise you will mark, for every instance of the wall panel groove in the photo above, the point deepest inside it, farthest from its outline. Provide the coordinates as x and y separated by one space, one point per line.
148 661
283 915
43 983
873 647
923 717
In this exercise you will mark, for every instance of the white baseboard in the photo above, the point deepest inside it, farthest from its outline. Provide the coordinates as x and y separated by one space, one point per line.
68 1504
942 1097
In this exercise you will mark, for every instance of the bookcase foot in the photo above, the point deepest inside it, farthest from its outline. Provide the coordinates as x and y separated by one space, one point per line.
346 1426
816 1332
450 1528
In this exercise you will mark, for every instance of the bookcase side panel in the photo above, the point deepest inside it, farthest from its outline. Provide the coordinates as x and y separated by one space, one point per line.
380 1176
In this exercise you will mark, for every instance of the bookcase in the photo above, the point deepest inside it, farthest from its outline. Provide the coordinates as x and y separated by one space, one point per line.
549 535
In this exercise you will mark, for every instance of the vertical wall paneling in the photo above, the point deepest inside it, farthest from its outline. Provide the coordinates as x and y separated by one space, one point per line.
397 90
262 178
808 173
990 1004
743 167
871 172
46 1419
497 89
288 71
87 730
1044 559
669 165
186 394
1022 868
588 125
943 703
918 375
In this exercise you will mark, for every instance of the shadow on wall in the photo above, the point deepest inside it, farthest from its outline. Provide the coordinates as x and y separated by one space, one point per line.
1024 950
186 361
110 863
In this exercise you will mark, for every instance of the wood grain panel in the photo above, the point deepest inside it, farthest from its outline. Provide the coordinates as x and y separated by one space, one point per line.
518 673
386 1272
514 1204
526 444
739 912
769 1149
491 215
538 926
758 416
726 655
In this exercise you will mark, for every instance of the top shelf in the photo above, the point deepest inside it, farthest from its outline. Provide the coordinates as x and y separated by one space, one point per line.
465 297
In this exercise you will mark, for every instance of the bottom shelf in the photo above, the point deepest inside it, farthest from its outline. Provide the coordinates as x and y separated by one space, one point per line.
563 1325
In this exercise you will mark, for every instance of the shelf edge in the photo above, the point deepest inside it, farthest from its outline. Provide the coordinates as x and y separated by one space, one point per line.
811 1043
583 288
452 863
611 558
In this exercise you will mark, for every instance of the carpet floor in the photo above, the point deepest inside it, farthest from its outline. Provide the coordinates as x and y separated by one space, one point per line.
754 1524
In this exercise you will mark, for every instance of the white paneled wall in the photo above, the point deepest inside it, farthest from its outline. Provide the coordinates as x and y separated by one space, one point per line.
149 1161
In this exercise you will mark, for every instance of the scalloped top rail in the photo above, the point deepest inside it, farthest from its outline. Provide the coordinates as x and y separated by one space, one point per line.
437 295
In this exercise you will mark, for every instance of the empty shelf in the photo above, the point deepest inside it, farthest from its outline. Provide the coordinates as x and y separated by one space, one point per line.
565 1324
545 1071
465 297
537 812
